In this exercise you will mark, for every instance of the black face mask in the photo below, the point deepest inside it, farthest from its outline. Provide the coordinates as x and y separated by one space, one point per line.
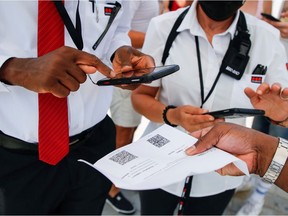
220 10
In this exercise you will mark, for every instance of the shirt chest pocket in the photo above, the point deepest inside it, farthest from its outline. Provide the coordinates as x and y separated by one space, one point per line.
239 98
97 18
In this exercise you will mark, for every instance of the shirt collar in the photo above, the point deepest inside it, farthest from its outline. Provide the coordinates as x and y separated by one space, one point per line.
190 23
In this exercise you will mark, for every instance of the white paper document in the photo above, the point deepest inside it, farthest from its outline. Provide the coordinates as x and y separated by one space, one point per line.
158 159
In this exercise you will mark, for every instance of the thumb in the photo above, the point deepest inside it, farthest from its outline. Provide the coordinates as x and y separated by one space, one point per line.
250 93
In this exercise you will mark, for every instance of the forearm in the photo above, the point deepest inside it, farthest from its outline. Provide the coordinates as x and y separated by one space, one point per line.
282 180
148 106
137 38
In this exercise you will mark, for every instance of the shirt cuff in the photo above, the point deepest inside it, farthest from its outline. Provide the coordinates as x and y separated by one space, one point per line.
3 86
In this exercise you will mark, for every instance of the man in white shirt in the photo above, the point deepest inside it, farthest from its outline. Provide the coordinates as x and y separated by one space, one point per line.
28 185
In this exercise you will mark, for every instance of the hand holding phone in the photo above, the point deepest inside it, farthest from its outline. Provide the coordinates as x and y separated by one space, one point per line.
270 17
149 74
236 113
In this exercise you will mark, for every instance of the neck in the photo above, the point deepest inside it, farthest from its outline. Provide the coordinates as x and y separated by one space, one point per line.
212 27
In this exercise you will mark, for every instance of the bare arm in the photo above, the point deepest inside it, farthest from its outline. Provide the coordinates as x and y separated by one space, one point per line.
137 38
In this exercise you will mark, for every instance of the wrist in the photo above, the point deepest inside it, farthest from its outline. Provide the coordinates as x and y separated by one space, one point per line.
165 114
4 72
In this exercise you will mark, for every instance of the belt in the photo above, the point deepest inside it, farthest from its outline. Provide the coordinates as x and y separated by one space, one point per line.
13 143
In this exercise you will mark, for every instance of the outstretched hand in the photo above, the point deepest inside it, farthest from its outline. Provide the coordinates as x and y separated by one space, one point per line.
274 100
251 146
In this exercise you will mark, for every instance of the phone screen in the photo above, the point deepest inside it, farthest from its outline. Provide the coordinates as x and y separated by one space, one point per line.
144 75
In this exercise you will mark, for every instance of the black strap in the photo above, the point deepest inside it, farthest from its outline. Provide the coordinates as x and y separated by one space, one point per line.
172 35
75 33
114 13
203 98
185 194
241 27
238 50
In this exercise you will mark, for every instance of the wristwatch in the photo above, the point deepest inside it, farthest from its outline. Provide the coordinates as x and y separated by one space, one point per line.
277 163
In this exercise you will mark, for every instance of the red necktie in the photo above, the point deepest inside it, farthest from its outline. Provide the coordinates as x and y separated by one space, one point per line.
53 111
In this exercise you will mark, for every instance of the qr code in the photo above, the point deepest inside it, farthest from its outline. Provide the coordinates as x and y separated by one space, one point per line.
123 157
158 140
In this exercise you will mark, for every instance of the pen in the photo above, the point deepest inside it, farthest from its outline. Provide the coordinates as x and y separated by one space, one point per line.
260 70
97 12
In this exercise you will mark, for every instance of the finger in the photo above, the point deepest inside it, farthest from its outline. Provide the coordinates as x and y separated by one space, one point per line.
276 89
83 58
264 88
129 86
122 59
70 82
284 93
250 93
194 110
104 69
144 61
201 126
87 69
204 143
77 73
230 170
60 91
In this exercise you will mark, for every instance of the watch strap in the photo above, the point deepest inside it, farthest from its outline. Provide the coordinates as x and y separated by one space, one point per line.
277 163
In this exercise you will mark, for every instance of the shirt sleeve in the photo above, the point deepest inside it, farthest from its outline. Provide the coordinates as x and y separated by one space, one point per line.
277 67
3 59
154 45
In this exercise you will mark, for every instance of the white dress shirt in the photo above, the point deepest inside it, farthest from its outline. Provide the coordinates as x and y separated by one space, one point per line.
18 33
183 87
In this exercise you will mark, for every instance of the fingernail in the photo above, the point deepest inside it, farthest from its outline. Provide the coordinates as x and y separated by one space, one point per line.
112 74
190 150
259 92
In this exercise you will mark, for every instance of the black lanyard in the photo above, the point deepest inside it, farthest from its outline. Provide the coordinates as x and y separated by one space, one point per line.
75 32
115 11
236 57
203 98
185 194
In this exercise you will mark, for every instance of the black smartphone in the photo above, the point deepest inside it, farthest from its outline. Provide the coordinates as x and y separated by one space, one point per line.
149 74
236 113
270 17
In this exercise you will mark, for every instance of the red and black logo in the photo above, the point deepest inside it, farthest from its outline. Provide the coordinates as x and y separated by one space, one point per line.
256 79
108 11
